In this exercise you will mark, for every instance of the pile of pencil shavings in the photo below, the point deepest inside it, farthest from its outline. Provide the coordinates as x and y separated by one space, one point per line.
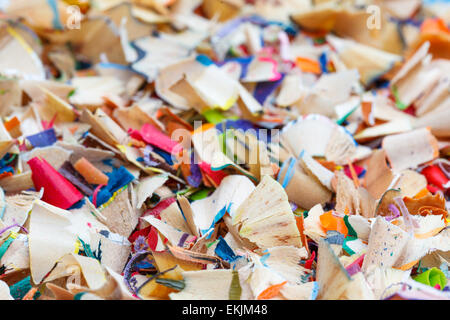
224 149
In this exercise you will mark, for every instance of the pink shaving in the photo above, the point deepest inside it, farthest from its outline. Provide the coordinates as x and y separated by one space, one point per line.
277 75
94 195
48 125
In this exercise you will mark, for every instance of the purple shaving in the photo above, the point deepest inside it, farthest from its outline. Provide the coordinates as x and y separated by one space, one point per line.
140 244
265 89
147 157
293 206
12 226
195 179
229 27
127 272
409 221
395 213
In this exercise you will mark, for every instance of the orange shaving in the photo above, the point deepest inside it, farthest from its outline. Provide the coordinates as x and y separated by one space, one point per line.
332 223
430 210
107 110
90 173
83 5
434 26
137 143
85 73
300 225
159 114
207 181
203 128
308 65
165 112
174 125
353 173
366 109
275 169
271 118
407 266
73 129
341 227
185 169
13 127
330 165
5 174
414 205
110 103
428 234
422 193
11 124
30 294
271 291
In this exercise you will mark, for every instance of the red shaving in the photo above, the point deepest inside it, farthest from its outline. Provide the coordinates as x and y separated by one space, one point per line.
435 176
216 176
309 262
58 191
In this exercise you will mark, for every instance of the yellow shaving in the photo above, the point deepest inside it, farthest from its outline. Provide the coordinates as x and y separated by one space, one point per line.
78 246
228 104
115 194
17 36
122 148
13 235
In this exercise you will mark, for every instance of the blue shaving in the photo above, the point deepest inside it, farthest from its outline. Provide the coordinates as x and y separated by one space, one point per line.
289 172
56 19
323 60
108 162
315 291
109 65
84 135
224 251
334 237
218 216
265 89
6 169
264 258
204 60
43 139
78 204
362 174
21 288
167 156
118 178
